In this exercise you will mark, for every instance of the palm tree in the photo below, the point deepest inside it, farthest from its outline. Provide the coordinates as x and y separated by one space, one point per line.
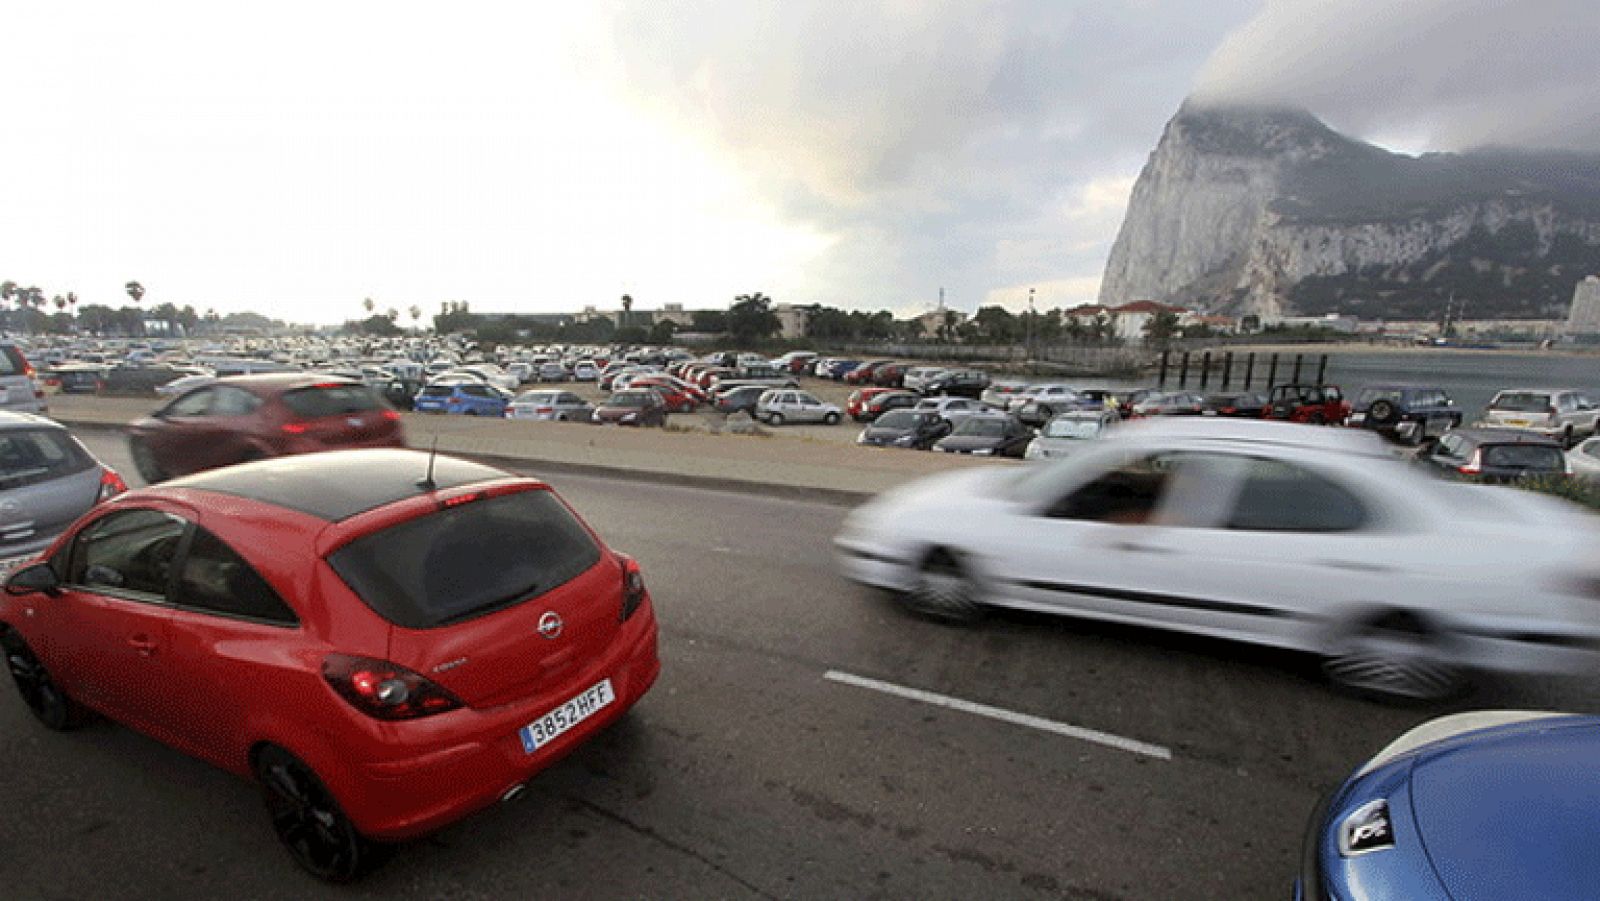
391 314
416 315
60 302
368 305
72 299
135 291
8 290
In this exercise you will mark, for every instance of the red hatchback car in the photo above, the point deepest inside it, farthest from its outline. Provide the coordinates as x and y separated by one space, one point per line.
252 417
385 642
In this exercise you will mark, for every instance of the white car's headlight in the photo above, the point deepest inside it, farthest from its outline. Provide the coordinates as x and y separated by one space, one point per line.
905 440
983 451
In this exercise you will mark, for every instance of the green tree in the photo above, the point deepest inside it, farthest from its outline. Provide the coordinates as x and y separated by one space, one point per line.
751 318
662 332
1160 329
711 322
135 291
824 324
996 325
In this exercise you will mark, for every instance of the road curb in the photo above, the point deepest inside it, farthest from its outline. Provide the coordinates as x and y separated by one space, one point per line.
838 497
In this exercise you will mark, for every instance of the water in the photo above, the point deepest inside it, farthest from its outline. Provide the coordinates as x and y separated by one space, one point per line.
1471 378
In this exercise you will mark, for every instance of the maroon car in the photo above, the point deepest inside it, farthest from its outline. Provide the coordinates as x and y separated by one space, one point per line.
251 417
635 406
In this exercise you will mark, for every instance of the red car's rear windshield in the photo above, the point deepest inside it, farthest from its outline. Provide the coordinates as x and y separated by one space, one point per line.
331 400
467 560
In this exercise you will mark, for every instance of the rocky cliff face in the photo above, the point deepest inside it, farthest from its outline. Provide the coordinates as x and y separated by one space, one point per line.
1268 211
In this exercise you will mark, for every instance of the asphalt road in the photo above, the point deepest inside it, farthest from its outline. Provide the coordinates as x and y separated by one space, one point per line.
750 772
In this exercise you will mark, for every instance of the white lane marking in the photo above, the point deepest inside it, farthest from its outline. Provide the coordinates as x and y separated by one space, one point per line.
1131 745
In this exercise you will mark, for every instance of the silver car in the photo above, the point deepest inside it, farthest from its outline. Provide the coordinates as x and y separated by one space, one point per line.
561 406
786 405
1585 460
1564 415
1069 433
19 388
47 480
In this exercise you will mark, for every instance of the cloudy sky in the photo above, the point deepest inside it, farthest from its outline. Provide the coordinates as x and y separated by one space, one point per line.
299 157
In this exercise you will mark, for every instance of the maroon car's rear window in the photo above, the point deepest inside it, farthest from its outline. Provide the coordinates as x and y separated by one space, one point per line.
11 361
331 400
467 560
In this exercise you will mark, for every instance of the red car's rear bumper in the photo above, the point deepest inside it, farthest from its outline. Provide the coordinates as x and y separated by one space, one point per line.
414 777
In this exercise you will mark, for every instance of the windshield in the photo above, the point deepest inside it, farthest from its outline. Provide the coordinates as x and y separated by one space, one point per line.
1072 428
981 426
1521 402
1523 456
896 419
28 456
331 400
467 560
628 400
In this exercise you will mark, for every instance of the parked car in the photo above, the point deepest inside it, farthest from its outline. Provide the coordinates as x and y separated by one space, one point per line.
969 383
585 371
1068 433
862 374
634 406
1243 404
1487 804
251 417
384 640
1096 399
20 391
1037 403
551 372
1126 402
1132 531
796 362
987 434
1584 460
741 398
776 407
1001 393
917 429
1172 403
856 404
561 406
182 384
1409 413
1498 455
77 378
916 376
1565 415
891 399
955 410
464 398
838 370
47 480
892 375
1310 404
680 398
755 375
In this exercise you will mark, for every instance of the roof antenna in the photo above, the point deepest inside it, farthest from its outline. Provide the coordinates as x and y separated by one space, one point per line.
426 483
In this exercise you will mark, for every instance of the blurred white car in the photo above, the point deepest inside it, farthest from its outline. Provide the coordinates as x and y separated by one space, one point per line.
1585 460
954 410
561 406
1317 540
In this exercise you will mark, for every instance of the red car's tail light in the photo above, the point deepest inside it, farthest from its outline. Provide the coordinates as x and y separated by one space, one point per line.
1473 466
384 690
295 428
632 585
392 415
111 485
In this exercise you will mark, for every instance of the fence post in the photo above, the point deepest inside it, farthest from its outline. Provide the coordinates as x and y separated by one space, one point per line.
1161 380
1227 368
1272 373
1249 369
1183 371
1205 369
1296 379
1322 369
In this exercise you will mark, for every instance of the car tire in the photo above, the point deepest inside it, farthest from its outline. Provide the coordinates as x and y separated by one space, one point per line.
1566 438
310 823
46 701
144 460
1316 419
1382 413
1394 657
831 419
774 419
944 590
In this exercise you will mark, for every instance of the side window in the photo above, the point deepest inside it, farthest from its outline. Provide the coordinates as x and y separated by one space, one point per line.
568 400
1281 497
1332 394
128 552
475 391
1127 494
217 580
1449 446
195 403
234 402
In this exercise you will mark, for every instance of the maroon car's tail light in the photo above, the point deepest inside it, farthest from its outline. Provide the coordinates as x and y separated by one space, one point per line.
295 428
392 415
632 586
384 690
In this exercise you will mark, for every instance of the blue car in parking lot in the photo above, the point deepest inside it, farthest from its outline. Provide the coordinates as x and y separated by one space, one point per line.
1492 804
464 398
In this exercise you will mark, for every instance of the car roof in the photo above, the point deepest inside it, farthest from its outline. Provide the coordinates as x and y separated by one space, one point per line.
275 382
336 485
10 420
1504 436
1259 431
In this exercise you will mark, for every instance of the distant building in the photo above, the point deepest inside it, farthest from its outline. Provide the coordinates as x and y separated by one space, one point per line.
1333 322
1584 318
792 320
935 319
1130 319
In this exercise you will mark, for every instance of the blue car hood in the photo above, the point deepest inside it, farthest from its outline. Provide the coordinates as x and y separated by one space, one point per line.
1514 815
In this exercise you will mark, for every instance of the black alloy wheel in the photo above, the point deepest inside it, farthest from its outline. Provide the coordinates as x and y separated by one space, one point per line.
1382 412
1395 658
309 822
49 704
944 591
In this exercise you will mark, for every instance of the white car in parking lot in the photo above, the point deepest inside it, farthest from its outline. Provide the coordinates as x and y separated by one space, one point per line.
1317 540
780 406
954 410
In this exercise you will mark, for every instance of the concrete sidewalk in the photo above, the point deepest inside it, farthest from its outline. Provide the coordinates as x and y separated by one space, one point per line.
767 462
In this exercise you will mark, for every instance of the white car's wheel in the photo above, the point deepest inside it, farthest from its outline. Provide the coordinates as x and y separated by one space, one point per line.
1394 657
944 590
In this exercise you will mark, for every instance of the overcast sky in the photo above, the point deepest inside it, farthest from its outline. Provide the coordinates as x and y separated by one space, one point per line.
295 158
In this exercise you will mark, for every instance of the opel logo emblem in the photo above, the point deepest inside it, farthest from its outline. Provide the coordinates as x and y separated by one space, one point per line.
550 624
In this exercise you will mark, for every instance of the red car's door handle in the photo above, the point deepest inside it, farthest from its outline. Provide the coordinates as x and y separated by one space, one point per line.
145 645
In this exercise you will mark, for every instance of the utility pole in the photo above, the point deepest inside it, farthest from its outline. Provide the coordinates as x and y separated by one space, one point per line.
1028 346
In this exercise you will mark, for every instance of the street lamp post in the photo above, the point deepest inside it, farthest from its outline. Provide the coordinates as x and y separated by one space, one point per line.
1028 348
